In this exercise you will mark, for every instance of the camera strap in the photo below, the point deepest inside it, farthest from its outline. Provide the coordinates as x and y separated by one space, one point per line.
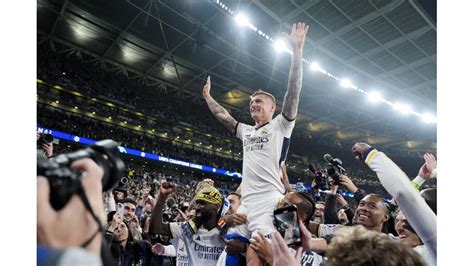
83 196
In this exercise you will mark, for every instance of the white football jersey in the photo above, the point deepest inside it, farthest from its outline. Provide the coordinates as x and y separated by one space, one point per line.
202 247
181 254
264 148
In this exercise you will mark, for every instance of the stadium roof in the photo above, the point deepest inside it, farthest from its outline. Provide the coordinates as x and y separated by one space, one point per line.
389 46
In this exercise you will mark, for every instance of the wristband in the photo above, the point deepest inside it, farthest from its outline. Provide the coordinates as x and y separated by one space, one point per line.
418 182
434 173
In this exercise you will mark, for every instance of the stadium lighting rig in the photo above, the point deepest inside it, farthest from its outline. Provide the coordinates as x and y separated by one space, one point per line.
280 46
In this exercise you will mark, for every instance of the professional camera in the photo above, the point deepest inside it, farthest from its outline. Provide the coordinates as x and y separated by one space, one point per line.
320 178
45 138
122 185
65 182
334 169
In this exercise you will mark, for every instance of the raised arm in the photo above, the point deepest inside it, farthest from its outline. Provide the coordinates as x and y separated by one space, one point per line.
219 112
157 225
395 181
295 79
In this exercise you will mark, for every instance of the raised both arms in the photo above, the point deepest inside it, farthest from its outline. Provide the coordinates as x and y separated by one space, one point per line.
219 112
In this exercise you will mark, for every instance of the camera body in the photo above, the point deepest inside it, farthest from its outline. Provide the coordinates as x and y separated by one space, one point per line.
333 170
65 182
45 138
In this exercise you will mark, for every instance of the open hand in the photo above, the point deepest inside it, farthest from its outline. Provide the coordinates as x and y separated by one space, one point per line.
429 165
206 91
262 247
297 36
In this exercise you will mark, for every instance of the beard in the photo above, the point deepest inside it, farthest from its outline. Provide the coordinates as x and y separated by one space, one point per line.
201 218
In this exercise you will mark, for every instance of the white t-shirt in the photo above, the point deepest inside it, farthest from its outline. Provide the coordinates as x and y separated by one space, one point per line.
202 247
264 148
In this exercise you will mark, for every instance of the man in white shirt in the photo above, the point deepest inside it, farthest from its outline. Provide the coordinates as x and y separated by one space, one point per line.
266 143
201 236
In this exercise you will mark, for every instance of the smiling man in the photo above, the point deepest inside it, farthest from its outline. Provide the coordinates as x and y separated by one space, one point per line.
372 212
266 143
200 235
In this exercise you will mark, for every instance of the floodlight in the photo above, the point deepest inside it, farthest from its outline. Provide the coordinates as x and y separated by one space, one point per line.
279 46
375 97
346 83
314 66
402 108
428 118
242 19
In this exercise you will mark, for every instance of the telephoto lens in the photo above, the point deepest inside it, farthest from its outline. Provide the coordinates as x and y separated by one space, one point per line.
45 138
65 182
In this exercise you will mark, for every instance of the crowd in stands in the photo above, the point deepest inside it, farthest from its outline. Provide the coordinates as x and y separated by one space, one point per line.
93 80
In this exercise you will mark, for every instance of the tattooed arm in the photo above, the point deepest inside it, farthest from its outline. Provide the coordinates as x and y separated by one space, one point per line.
295 80
219 112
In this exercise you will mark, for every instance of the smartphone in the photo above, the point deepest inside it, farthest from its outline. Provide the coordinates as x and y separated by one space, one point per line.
286 222
120 210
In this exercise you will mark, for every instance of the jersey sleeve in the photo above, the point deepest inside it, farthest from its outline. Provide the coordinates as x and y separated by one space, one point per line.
285 125
241 128
176 230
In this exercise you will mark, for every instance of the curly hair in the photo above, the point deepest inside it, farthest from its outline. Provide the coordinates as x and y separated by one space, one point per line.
358 246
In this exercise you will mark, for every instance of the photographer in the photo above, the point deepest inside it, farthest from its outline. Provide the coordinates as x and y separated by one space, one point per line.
333 215
62 232
330 210
45 142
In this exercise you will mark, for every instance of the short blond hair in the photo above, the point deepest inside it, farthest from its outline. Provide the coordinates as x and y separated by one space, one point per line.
358 246
264 93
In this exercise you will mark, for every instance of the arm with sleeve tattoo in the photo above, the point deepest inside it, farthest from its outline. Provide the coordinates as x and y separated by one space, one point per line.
219 112
295 79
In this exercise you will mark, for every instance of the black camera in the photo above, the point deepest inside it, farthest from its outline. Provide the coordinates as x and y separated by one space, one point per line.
122 185
334 169
320 178
45 138
65 182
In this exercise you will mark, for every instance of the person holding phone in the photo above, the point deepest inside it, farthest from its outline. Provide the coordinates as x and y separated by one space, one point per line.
303 205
